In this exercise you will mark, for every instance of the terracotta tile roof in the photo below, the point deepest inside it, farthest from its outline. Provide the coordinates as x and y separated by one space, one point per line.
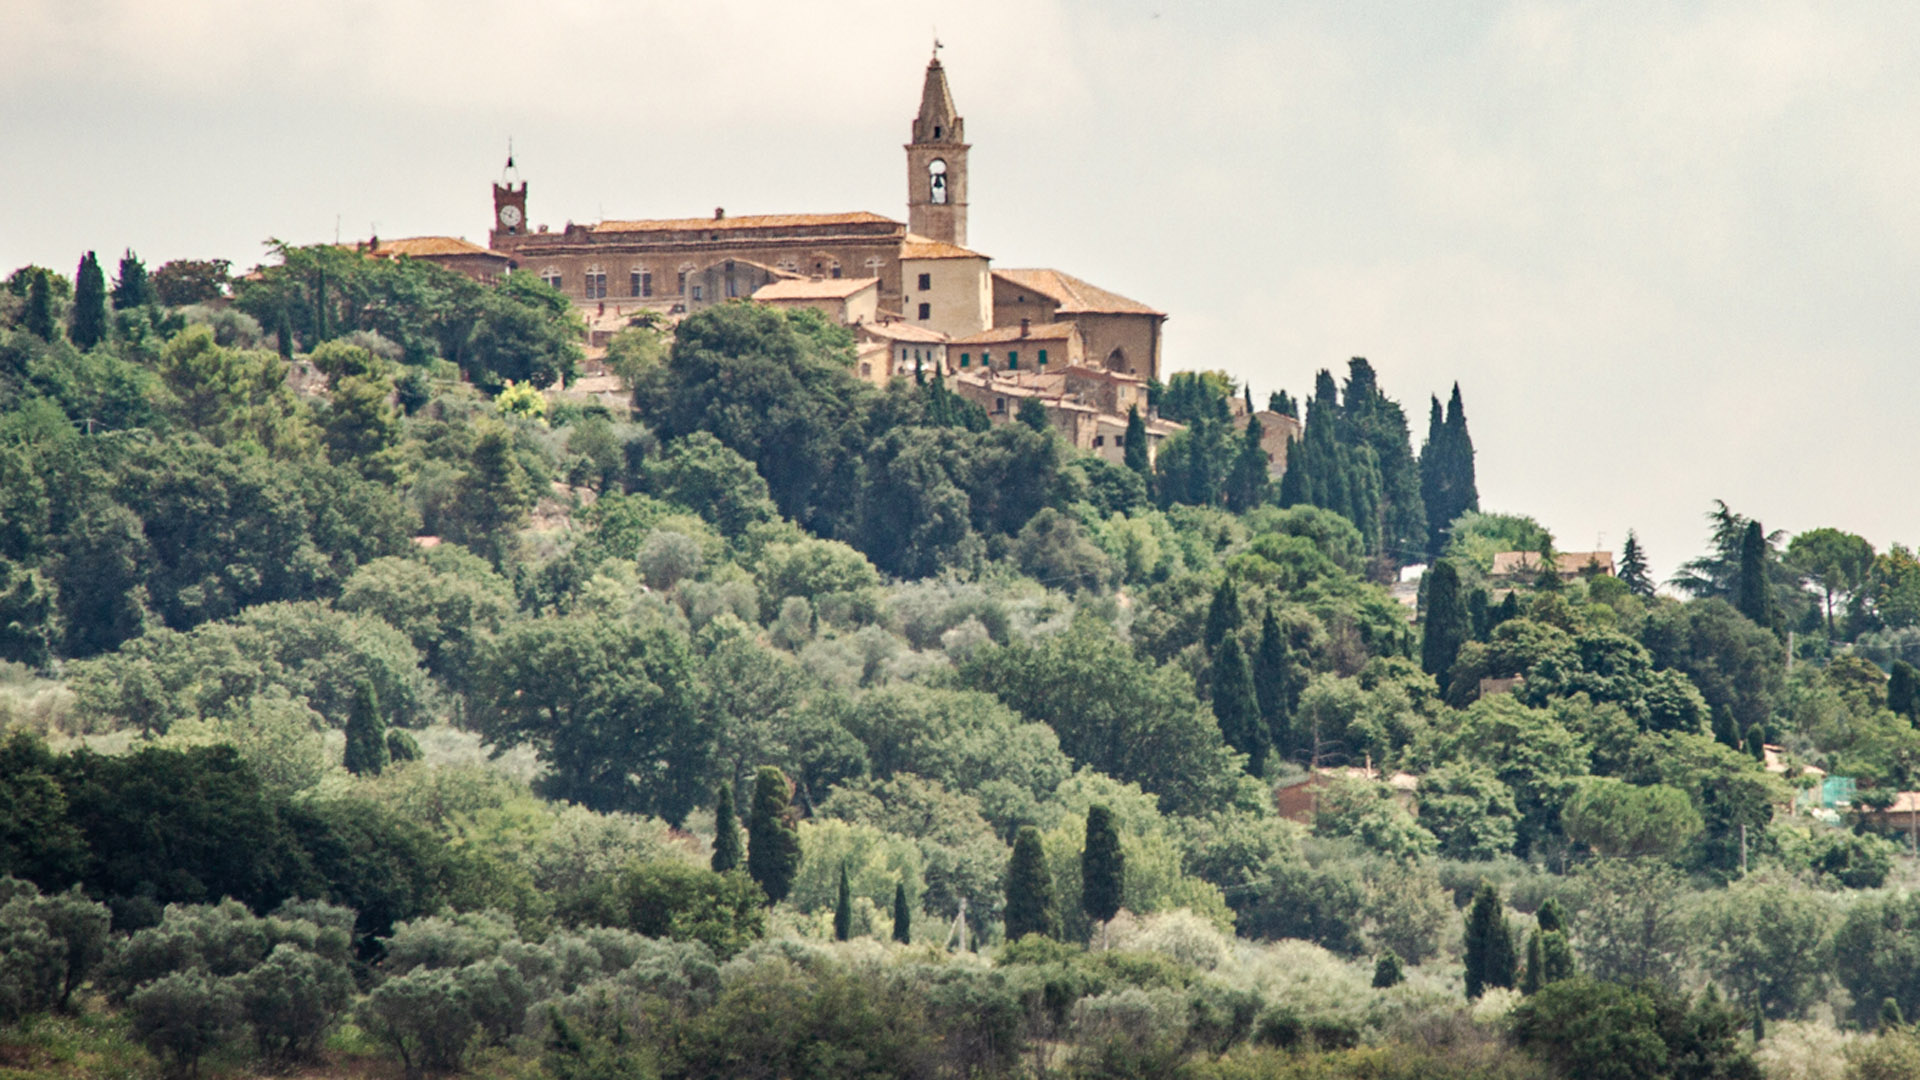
920 247
749 221
1072 294
1001 335
812 289
420 246
903 331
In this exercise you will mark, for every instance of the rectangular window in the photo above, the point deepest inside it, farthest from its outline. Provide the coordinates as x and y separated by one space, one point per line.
552 278
1000 404
966 360
1119 440
1013 360
633 283
926 282
926 311
1099 440
646 283
683 283
836 269
696 293
1043 358
596 286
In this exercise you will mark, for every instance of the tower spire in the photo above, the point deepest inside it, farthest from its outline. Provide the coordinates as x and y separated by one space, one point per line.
937 161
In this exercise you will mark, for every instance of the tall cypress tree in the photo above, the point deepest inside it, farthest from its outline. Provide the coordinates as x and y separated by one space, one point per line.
1433 478
1489 943
131 287
773 844
1134 453
1633 567
902 915
843 909
1448 625
366 752
1223 614
1376 426
1753 594
1103 867
89 321
1388 971
1029 887
1532 973
1236 706
1463 489
1272 676
39 317
1279 402
1247 482
726 832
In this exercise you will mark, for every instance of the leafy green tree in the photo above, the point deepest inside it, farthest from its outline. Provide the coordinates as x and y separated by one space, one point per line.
1737 665
1274 680
1903 690
726 833
1033 414
609 704
773 844
902 915
291 1000
131 287
495 495
1053 548
843 909
183 1017
701 473
39 320
1632 922
1838 563
1489 943
1633 567
1236 707
89 317
1388 971
1448 625
1876 954
49 945
191 281
424 1017
233 396
524 332
38 840
1469 811
1610 1031
1770 943
1621 820
362 427
1103 866
27 614
1029 888
366 752
1193 396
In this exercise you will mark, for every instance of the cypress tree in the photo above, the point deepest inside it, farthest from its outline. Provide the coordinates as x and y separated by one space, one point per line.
843 909
89 320
1533 975
1388 972
902 915
1759 1023
1479 614
1223 614
319 310
1433 477
1550 916
1134 454
1279 402
726 832
1294 481
131 287
1903 689
1034 415
1463 490
1271 665
366 752
1029 887
39 317
1752 594
283 333
401 747
1448 625
1890 1016
1556 957
1633 567
1248 480
1103 867
1236 707
1489 943
773 844
1756 743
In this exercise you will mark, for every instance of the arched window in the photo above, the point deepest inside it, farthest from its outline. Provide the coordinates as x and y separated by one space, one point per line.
937 181
595 283
685 269
1117 360
551 276
640 281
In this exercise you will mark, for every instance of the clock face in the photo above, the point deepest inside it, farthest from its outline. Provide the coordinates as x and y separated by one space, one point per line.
509 216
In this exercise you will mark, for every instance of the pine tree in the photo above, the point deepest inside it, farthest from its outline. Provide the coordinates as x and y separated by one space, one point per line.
1448 624
1134 454
1752 594
1903 690
1388 971
773 844
1272 678
1489 943
1236 706
1103 867
1223 614
1532 976
726 833
843 909
902 915
39 317
366 752
1633 567
132 288
1247 482
1029 887
89 320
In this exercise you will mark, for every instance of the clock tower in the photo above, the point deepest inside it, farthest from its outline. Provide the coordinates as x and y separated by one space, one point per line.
509 206
937 164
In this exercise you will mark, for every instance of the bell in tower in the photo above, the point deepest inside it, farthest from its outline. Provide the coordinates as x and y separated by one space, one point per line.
937 163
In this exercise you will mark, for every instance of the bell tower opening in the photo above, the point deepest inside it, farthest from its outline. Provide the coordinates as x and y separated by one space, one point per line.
937 163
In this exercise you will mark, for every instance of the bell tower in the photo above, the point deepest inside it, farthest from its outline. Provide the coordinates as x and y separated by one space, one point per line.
509 206
937 163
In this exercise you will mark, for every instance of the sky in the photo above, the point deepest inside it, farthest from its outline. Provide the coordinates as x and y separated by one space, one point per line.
1669 251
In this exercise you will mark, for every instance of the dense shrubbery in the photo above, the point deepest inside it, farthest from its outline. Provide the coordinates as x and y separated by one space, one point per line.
364 705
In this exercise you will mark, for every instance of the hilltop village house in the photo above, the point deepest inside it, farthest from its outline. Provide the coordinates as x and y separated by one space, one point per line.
916 296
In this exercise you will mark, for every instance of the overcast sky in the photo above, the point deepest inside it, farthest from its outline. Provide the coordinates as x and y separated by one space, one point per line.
1670 251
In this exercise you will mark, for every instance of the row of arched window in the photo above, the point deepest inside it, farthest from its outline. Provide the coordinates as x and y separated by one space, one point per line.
641 283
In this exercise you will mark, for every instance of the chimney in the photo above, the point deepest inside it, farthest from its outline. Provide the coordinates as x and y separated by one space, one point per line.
719 213
1025 325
